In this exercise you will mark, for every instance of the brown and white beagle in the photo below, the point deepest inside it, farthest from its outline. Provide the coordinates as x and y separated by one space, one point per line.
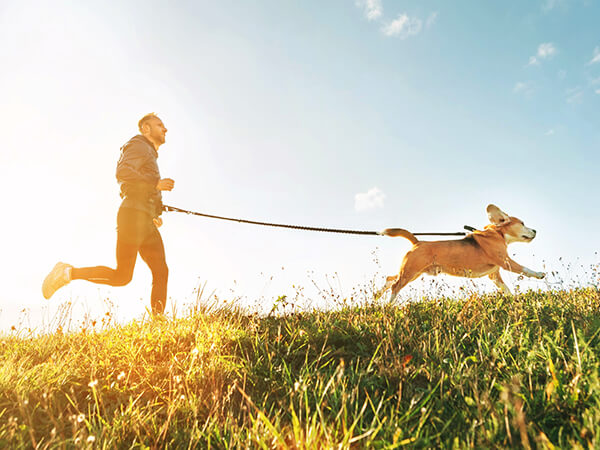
478 254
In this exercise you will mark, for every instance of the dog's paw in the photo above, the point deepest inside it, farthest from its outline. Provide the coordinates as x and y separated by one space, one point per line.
540 275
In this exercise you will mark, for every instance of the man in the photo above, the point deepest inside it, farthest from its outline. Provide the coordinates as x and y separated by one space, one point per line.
138 219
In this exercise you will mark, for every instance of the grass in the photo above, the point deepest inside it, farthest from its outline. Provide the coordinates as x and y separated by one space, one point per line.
486 371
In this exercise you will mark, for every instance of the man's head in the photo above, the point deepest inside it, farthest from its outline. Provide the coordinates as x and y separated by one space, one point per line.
153 129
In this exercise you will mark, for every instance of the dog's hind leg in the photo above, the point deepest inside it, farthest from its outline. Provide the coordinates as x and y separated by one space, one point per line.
388 284
409 271
400 283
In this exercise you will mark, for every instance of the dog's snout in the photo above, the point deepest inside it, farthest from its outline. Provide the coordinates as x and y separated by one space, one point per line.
534 232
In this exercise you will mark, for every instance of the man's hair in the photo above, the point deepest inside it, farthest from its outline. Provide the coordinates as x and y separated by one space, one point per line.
145 119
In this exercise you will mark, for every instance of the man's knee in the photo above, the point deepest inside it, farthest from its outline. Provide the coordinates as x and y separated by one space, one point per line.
122 278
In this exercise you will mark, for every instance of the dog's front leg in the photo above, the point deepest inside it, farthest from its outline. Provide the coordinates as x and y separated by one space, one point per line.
497 279
515 267
532 273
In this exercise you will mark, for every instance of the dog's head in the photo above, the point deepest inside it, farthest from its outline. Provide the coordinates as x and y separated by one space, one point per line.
512 228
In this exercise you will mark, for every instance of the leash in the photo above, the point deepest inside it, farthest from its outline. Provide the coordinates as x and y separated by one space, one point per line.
299 227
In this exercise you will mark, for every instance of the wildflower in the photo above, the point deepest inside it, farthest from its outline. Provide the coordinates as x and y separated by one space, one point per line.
80 418
93 383
121 376
195 351
91 439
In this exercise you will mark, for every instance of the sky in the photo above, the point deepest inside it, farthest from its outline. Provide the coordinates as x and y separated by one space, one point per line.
359 114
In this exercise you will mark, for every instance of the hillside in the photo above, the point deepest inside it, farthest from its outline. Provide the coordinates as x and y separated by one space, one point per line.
489 371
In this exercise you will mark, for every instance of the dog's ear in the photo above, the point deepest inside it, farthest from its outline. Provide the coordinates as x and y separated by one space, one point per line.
496 215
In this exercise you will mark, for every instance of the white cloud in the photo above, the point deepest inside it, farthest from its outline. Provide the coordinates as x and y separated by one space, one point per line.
432 19
520 86
524 87
544 51
403 27
574 95
596 58
597 91
550 132
373 8
371 199
549 5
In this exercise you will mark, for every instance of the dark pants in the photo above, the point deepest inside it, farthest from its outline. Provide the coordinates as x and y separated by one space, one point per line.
135 233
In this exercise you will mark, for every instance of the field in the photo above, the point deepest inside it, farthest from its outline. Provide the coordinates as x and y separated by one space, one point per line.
483 371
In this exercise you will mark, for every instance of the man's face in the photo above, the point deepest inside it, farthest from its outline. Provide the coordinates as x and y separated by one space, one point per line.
156 130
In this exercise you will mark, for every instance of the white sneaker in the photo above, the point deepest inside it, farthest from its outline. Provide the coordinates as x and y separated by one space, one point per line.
57 278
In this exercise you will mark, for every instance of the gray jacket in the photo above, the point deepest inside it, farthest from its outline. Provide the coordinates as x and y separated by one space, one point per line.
138 174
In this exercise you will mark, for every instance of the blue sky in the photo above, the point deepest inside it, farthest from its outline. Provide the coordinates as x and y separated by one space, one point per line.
346 114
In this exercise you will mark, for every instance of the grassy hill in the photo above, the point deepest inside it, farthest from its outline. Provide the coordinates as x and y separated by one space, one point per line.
489 371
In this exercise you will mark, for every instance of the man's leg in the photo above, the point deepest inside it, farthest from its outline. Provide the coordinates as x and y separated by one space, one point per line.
62 273
132 228
130 233
126 256
152 252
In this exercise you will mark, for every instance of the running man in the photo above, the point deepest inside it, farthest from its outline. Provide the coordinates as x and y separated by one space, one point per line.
138 219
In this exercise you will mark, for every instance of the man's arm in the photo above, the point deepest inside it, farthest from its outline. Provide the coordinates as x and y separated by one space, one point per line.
166 184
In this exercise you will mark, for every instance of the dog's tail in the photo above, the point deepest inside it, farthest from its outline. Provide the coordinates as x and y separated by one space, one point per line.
393 232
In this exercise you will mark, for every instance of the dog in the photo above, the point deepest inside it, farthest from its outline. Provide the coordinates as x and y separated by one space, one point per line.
479 254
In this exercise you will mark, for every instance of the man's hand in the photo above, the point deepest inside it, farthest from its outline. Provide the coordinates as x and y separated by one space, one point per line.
157 222
166 184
